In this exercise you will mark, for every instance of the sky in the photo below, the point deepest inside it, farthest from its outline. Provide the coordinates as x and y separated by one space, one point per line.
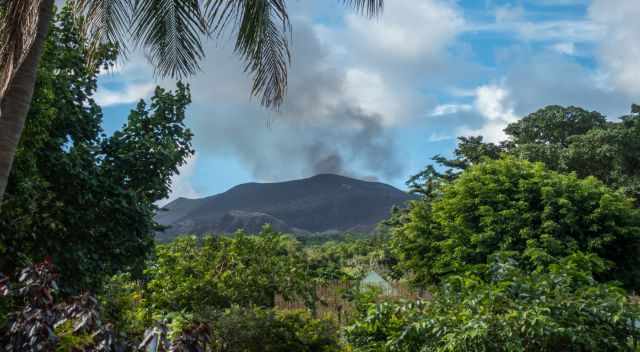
376 99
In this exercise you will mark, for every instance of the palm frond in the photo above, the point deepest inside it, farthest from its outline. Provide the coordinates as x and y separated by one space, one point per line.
262 41
171 31
18 28
370 8
263 27
104 21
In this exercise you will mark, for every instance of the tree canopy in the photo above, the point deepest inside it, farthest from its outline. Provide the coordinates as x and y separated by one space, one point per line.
565 139
559 307
515 205
84 199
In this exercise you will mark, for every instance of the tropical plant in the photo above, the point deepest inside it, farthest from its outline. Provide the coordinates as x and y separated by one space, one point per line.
192 275
122 305
41 324
75 195
565 139
170 31
558 306
239 329
349 259
516 205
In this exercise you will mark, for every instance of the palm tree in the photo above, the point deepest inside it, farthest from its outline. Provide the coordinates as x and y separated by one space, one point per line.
171 31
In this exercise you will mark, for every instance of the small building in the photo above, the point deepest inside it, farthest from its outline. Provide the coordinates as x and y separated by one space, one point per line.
373 279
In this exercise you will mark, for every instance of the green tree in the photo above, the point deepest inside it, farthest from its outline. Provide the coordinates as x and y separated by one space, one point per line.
170 31
239 329
556 307
194 275
554 125
350 259
565 139
85 200
515 205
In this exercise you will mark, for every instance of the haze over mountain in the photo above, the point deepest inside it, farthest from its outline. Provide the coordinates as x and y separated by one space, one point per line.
322 203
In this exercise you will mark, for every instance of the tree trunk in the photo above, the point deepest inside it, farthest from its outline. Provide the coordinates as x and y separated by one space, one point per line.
15 104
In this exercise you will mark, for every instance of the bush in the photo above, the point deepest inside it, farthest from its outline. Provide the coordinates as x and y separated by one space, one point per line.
259 329
217 272
516 205
559 307
122 305
39 323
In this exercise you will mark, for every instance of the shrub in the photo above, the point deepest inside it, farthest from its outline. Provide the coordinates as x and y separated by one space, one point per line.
559 307
193 275
258 329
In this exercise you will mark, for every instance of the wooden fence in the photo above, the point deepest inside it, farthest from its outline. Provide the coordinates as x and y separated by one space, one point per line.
333 303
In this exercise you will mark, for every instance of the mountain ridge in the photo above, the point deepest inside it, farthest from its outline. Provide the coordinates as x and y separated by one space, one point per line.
321 203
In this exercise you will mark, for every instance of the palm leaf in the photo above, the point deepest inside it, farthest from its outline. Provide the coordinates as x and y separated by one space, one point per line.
262 27
371 8
18 29
171 31
104 21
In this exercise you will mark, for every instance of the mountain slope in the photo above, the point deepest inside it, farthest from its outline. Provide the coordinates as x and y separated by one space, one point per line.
317 204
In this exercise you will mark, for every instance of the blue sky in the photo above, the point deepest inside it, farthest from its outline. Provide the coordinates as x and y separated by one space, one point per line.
376 99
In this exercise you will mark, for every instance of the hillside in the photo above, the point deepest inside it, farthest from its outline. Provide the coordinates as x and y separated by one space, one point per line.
322 203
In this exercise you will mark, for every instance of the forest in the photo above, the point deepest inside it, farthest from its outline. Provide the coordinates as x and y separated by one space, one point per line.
530 244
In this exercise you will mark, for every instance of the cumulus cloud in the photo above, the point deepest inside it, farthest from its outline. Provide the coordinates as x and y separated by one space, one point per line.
492 103
129 94
619 51
545 78
369 92
409 29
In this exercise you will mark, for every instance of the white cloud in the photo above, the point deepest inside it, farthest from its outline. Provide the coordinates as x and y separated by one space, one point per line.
409 29
490 132
438 137
566 48
130 94
568 30
181 185
509 13
368 91
492 102
493 105
449 109
619 50
559 2
516 21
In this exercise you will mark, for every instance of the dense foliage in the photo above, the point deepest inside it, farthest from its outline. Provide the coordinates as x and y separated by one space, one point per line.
556 307
220 279
81 198
565 139
257 329
520 255
217 272
515 205
350 259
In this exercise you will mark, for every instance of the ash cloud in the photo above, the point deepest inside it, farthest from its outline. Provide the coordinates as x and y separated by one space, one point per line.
366 145
319 129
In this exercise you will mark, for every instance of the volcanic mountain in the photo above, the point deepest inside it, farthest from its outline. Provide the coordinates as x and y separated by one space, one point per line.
322 203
